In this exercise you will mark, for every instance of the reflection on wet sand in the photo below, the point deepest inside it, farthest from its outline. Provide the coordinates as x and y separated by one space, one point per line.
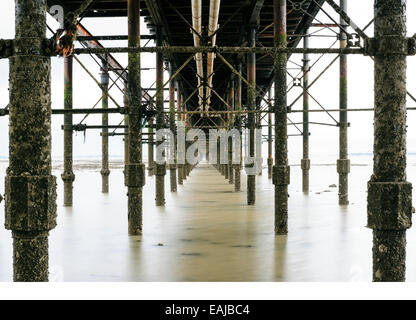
207 233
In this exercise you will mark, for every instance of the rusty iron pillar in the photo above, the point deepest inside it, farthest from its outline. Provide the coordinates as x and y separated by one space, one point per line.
179 117
105 170
281 170
225 151
172 125
126 128
270 138
238 107
151 149
160 121
135 169
185 165
259 146
30 211
68 176
305 162
230 140
343 164
389 193
251 106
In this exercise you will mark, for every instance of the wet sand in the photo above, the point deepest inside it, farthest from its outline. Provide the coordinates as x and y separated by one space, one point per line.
207 233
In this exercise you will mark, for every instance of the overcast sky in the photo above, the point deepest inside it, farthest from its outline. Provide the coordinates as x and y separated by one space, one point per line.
324 139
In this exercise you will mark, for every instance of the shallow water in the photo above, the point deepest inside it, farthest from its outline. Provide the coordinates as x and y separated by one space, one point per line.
207 233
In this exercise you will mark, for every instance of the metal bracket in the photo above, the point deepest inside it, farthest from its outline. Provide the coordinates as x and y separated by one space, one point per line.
4 112
343 124
30 203
68 176
389 45
389 205
305 164
75 127
6 48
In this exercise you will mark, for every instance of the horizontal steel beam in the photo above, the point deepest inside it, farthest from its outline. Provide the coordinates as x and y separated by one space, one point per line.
105 38
230 50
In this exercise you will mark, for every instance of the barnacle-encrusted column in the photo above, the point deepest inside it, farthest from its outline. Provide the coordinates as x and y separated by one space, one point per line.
238 124
389 194
151 149
251 106
270 138
30 187
68 176
105 170
160 121
126 129
281 170
343 164
135 169
305 162
172 125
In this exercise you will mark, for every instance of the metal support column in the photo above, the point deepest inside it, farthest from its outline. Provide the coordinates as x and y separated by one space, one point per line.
179 94
68 176
238 107
281 171
259 146
105 170
230 142
172 125
226 152
30 187
306 162
343 164
126 129
151 149
136 171
160 168
389 193
185 166
251 106
270 138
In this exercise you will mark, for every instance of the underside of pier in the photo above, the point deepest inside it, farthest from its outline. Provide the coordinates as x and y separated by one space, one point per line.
224 65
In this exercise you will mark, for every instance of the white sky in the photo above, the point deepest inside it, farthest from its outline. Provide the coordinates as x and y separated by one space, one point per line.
324 140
